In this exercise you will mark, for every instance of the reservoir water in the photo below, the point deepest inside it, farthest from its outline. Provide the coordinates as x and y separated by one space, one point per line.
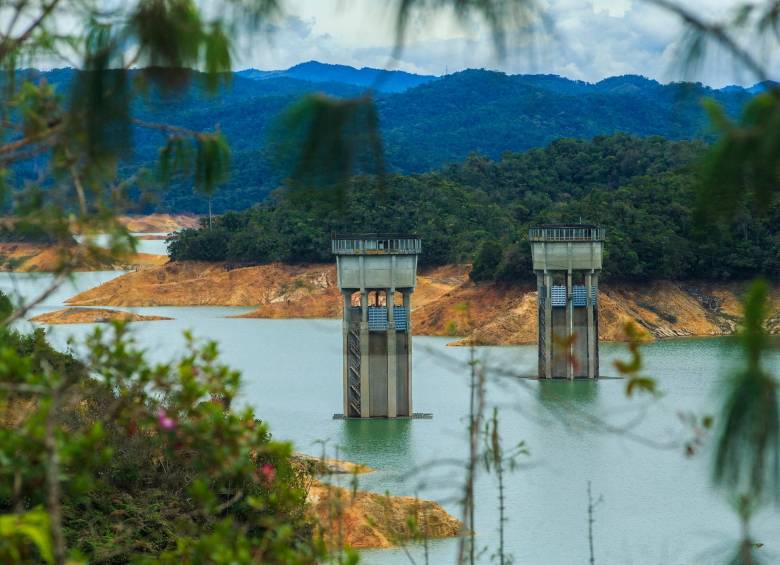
152 246
658 506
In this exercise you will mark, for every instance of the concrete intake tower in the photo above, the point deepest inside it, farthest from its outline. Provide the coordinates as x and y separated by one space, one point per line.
567 261
376 275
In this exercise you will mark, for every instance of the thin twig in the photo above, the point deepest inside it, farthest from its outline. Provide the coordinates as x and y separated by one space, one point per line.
13 146
22 311
591 520
14 43
24 388
717 32
53 487
477 405
169 129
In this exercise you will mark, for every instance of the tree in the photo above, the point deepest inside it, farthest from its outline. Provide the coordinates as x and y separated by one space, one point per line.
486 261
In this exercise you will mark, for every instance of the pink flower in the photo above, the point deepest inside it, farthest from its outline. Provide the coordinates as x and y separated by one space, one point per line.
268 472
165 421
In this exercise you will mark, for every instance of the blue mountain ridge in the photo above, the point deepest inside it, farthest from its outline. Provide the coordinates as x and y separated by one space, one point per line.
440 121
394 81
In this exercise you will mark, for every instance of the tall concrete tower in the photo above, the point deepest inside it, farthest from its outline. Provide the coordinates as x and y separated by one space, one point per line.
377 274
567 262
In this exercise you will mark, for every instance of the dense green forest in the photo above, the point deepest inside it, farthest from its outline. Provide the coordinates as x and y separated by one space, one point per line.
435 124
643 190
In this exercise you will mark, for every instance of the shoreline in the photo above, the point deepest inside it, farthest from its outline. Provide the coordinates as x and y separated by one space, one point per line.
361 519
498 314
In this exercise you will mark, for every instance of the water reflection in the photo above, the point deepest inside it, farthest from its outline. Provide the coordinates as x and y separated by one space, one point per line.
390 439
560 393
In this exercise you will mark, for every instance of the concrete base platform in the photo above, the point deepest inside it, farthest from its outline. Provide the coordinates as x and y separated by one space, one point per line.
415 416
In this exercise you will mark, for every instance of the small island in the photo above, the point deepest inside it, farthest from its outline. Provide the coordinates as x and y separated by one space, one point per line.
92 316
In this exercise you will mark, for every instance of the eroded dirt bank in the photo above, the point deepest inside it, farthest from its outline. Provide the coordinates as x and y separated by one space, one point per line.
41 258
366 520
91 316
159 223
279 291
501 315
445 303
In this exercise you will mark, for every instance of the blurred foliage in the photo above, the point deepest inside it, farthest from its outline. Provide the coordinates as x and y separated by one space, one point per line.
504 18
154 464
741 175
64 146
743 167
326 140
16 530
747 457
632 370
108 457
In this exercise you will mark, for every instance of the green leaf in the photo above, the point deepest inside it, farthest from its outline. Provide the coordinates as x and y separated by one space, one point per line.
212 163
217 58
747 452
322 141
32 525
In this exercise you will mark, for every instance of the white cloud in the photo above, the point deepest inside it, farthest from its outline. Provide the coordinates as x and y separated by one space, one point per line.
585 39
589 40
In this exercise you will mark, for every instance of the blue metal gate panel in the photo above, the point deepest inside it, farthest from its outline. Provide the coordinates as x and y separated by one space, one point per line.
399 314
579 295
558 295
377 318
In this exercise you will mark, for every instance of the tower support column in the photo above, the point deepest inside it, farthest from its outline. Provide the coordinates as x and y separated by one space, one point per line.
569 327
595 282
392 371
540 320
548 325
407 296
365 358
591 327
347 296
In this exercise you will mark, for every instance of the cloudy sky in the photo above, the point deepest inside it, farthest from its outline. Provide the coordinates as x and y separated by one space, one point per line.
583 39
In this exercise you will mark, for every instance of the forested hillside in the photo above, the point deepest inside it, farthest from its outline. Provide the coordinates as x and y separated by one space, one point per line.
313 71
642 189
489 113
437 123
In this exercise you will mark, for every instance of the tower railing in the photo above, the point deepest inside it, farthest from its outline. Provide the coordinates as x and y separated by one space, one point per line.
567 233
375 244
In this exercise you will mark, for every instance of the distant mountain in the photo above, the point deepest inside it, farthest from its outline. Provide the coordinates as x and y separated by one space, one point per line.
763 86
755 89
489 113
433 124
626 84
313 71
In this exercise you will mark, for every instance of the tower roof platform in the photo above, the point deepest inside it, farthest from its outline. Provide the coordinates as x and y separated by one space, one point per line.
567 232
375 244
